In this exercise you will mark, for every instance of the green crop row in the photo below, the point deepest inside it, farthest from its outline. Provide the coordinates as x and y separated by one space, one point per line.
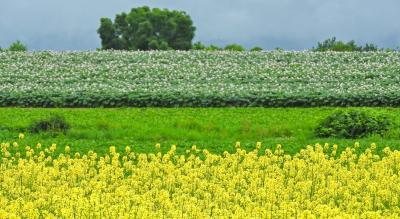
199 79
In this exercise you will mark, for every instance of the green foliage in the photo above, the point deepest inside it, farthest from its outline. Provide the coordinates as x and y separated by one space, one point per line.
256 49
234 47
147 29
369 47
54 124
17 46
199 46
332 44
108 35
353 124
229 47
212 48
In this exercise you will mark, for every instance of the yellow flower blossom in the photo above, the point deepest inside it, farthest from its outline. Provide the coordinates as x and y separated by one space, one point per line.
112 150
237 145
373 146
258 145
67 149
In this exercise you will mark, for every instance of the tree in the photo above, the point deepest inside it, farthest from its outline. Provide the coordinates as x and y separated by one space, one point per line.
332 44
17 46
147 29
108 37
370 47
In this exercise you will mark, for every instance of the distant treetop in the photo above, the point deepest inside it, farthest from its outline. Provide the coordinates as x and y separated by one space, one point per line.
18 46
332 44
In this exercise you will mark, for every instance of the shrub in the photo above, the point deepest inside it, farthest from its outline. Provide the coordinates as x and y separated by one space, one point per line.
54 124
18 47
198 46
256 49
353 124
234 47
212 48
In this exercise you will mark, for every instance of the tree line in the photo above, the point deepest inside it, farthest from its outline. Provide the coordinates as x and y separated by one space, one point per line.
161 29
144 28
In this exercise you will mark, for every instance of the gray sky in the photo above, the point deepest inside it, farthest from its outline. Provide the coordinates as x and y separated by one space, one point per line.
288 24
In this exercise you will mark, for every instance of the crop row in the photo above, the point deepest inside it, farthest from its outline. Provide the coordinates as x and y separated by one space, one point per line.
199 78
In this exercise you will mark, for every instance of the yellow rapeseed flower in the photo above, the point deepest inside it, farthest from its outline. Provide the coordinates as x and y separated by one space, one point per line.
112 150
373 146
258 145
237 145
243 184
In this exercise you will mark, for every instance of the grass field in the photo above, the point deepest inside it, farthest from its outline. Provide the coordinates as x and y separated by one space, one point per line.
216 129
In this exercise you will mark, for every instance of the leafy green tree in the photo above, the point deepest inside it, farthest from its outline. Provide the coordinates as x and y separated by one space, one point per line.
109 39
17 46
147 29
256 49
234 47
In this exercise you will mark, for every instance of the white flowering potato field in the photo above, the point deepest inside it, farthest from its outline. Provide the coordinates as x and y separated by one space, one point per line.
199 78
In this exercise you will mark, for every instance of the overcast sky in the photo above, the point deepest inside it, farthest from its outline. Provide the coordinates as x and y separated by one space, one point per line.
288 24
